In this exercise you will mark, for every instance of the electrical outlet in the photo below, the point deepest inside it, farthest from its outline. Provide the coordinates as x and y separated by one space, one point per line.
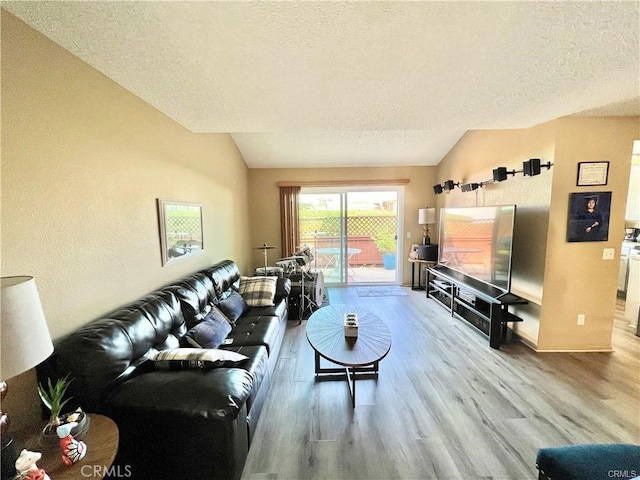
608 253
581 318
408 234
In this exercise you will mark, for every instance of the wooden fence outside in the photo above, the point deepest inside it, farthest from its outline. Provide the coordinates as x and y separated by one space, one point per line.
324 233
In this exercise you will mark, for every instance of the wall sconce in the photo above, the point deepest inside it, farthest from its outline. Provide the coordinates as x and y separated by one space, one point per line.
437 189
500 174
531 167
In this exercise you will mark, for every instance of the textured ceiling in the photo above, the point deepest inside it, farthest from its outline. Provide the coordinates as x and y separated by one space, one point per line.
304 84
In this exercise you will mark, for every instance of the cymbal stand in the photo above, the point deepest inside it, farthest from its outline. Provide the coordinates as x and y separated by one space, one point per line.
265 261
302 294
315 247
304 300
310 303
264 249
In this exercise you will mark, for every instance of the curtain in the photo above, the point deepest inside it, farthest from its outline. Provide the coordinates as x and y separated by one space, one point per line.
289 216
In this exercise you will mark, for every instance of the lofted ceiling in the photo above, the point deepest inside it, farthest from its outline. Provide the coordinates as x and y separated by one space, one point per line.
356 83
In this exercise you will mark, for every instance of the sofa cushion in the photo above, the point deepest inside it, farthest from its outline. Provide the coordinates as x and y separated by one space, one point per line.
195 293
233 306
108 350
258 291
256 331
209 333
225 276
277 310
192 358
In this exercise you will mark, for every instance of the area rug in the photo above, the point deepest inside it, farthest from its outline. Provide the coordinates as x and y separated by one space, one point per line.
390 291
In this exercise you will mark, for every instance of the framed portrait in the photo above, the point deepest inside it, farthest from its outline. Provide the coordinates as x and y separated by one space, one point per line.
589 214
180 230
413 253
592 173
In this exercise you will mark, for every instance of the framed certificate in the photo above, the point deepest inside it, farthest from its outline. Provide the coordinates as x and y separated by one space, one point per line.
592 173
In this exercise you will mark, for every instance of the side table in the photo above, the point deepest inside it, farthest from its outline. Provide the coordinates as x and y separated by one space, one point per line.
426 263
102 445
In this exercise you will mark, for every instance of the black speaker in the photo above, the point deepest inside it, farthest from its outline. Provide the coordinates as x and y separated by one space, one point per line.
428 252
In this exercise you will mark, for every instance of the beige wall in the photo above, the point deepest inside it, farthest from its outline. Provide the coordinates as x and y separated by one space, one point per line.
532 196
265 218
83 161
560 279
577 279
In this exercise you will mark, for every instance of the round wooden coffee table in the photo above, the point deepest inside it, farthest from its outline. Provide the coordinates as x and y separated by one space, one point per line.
359 356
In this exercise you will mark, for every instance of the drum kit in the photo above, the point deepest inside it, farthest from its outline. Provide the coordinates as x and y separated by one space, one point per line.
307 285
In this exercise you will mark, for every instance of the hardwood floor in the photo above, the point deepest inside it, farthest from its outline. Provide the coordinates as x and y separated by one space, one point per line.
445 406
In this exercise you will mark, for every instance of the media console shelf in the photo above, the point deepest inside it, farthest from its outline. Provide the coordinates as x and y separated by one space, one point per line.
484 306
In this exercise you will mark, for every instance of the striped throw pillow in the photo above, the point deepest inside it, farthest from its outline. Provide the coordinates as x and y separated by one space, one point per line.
258 291
195 358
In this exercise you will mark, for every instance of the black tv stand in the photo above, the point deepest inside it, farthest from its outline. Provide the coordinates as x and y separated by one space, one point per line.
484 306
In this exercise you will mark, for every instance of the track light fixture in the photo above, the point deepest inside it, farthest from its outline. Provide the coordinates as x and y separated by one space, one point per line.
445 187
449 185
470 187
500 174
531 167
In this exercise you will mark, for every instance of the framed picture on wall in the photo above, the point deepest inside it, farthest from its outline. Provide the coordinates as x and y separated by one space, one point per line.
180 230
589 214
592 173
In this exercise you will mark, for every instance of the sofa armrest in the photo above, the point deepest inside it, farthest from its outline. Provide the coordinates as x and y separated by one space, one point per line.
215 394
182 423
283 289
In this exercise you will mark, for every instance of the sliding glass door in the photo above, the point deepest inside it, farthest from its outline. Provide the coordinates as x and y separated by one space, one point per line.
352 232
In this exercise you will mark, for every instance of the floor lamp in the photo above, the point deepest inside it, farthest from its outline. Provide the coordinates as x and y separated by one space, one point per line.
25 343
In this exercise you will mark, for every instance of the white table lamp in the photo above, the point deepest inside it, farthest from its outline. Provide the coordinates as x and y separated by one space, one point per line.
426 217
24 340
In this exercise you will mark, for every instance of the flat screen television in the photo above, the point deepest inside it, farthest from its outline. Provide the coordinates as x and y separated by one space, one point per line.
477 242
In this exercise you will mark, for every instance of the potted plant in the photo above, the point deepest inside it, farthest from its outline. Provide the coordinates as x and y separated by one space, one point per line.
53 398
385 240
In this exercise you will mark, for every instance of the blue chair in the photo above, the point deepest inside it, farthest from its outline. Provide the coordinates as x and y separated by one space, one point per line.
589 462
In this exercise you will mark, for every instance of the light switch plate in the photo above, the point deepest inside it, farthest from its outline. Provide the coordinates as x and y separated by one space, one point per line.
608 253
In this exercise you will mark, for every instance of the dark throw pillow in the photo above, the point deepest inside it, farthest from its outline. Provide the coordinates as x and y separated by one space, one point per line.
233 306
210 332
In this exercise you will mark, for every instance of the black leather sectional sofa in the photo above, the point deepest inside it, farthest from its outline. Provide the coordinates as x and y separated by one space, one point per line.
175 424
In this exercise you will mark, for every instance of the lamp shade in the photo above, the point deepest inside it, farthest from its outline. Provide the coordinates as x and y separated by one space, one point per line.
24 336
426 216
